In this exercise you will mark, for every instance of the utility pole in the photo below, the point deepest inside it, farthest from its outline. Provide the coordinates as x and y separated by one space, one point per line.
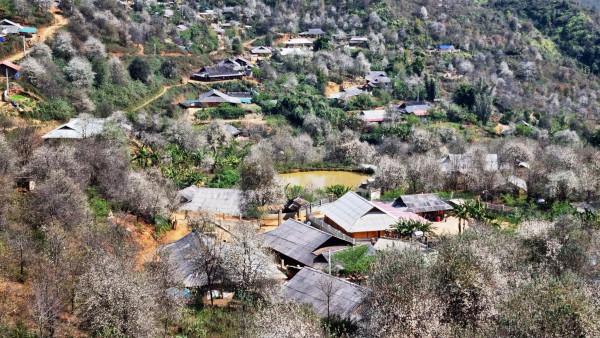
329 260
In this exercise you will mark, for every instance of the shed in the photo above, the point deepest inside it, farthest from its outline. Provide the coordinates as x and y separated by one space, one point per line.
326 294
297 242
10 69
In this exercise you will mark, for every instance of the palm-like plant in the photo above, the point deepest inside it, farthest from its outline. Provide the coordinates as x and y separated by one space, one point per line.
462 213
144 156
408 227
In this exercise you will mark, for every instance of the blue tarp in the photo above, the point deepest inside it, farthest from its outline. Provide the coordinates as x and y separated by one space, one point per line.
28 30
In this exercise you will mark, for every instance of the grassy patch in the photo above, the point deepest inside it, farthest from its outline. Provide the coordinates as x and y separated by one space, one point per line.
209 322
354 260
99 206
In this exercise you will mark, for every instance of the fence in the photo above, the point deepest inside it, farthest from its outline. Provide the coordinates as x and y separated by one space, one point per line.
500 208
319 224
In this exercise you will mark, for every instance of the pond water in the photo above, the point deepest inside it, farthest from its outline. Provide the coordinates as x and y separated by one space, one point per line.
322 179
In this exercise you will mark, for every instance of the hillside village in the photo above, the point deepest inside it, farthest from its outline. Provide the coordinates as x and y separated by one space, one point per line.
299 169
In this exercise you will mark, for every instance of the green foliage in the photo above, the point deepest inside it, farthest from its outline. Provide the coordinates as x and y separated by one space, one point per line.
560 208
17 331
354 260
168 69
321 43
182 166
392 195
337 190
294 191
203 39
567 25
377 134
99 206
594 138
209 322
139 70
408 227
225 179
300 102
464 95
431 88
524 130
227 111
145 157
53 109
161 225
360 102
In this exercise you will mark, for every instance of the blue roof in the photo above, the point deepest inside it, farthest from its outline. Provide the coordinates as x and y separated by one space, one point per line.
446 46
28 30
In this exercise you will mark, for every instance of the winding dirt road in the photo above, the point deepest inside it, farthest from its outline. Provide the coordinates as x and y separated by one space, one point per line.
43 34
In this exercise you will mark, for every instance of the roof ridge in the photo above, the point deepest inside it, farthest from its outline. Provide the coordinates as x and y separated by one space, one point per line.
306 225
334 277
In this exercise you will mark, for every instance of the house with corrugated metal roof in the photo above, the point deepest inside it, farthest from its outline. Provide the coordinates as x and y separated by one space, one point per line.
313 32
183 255
77 128
377 79
299 244
373 116
327 295
358 218
463 163
215 97
210 201
428 206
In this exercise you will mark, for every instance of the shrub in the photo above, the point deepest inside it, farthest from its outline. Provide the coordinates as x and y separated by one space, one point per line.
139 70
53 109
226 111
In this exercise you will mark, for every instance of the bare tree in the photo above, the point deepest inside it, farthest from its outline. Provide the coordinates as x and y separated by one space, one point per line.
115 300
286 320
210 261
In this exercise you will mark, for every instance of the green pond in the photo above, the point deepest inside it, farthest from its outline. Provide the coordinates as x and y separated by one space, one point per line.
322 179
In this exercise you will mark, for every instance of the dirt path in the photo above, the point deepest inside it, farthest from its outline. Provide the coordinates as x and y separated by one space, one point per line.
249 43
43 34
162 92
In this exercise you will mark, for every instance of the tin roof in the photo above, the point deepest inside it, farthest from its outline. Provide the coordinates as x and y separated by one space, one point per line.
297 241
421 203
211 200
77 128
315 288
355 214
